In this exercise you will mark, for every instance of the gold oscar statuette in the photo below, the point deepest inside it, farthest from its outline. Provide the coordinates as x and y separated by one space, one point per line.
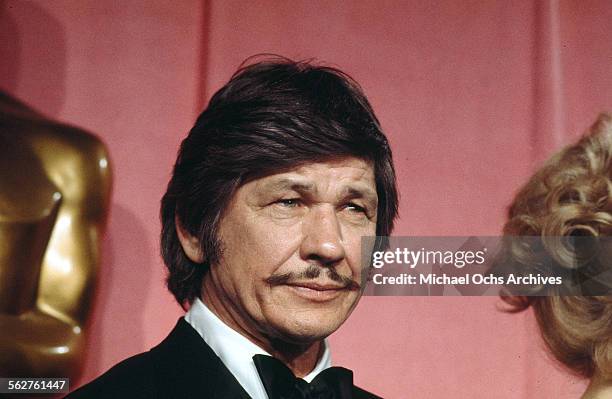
55 184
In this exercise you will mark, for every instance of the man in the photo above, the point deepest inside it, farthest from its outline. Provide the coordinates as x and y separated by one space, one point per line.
273 188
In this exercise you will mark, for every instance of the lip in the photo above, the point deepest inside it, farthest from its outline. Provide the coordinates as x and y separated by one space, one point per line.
315 291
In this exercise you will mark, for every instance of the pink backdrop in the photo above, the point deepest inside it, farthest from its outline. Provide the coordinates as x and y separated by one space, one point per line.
472 95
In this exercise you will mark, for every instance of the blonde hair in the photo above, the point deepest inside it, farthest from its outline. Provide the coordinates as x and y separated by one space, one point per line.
570 195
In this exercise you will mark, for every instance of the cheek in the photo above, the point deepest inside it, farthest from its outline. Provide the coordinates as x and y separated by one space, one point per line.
352 244
259 247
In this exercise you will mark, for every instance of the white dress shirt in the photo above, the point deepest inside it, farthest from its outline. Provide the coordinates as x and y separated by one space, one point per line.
236 351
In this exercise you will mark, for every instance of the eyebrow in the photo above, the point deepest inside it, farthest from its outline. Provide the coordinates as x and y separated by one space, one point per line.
291 184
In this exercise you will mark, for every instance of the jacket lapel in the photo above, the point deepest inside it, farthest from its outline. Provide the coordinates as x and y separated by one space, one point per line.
186 367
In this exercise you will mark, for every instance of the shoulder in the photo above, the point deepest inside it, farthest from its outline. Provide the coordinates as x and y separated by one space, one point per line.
78 162
132 378
181 366
20 121
359 393
75 160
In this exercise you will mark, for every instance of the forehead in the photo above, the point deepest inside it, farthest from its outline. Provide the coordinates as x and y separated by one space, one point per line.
346 173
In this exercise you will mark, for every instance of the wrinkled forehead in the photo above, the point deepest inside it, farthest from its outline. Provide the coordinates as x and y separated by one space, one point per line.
339 176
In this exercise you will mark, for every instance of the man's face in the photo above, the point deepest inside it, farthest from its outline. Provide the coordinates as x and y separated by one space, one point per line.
290 268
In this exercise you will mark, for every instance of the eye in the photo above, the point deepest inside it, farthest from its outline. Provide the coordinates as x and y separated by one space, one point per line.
355 208
289 202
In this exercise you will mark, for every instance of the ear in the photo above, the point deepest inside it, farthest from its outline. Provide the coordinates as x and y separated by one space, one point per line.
190 244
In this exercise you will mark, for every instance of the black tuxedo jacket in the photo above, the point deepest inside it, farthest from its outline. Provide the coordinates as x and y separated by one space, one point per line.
181 366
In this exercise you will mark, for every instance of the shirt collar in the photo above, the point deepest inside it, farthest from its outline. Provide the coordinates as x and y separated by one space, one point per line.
236 351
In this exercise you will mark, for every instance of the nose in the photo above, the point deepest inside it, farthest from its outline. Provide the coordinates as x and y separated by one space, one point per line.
322 237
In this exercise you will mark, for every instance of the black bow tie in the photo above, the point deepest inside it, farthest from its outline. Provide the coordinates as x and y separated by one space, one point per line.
280 383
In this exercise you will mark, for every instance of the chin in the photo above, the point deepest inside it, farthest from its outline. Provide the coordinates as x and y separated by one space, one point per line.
308 330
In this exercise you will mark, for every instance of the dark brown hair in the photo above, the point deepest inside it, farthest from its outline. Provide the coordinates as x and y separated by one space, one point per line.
272 115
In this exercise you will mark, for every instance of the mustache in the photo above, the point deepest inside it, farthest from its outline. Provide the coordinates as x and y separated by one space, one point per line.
313 272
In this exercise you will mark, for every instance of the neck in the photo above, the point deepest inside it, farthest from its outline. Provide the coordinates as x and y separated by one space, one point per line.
599 388
300 358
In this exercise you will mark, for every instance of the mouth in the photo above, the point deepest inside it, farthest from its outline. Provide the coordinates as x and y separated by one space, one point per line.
317 292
